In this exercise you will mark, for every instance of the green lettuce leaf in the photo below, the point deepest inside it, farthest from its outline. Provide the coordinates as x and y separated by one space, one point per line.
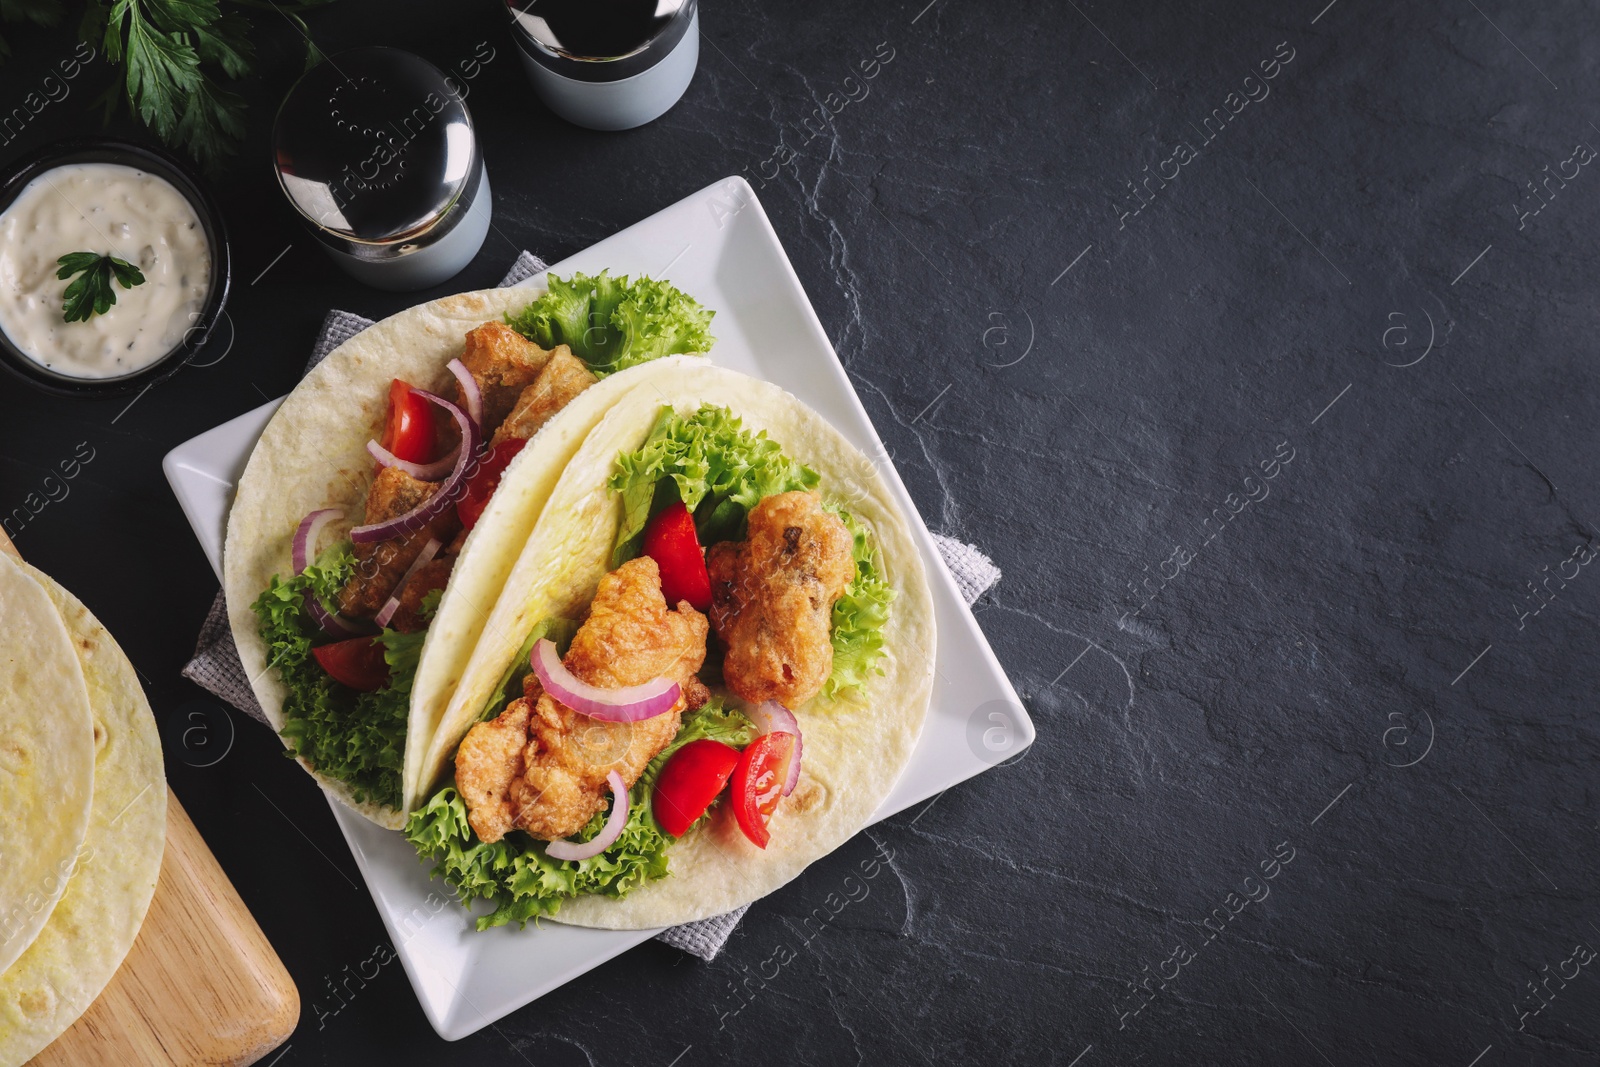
710 462
355 738
859 616
613 324
515 876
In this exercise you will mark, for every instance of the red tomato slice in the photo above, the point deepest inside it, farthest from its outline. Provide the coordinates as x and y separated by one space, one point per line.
758 783
690 781
410 432
357 663
670 540
485 480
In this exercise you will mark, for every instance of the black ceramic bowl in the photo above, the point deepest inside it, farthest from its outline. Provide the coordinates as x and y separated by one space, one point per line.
15 177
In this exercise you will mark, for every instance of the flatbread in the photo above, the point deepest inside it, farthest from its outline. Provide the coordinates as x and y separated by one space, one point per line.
313 455
46 759
95 923
856 745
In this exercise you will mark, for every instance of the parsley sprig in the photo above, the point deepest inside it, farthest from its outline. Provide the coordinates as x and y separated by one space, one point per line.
92 292
174 56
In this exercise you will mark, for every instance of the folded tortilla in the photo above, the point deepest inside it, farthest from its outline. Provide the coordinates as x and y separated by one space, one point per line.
855 745
313 455
46 759
98 917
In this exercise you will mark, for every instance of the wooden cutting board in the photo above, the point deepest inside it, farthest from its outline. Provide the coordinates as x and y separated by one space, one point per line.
201 984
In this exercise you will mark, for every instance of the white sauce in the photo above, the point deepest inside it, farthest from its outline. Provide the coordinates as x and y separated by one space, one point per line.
102 208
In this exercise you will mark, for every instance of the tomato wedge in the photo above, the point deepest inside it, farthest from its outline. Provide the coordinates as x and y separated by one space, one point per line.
485 480
670 540
690 781
410 432
758 783
357 663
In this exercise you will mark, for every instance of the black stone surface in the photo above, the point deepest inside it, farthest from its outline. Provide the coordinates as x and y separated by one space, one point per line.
1336 667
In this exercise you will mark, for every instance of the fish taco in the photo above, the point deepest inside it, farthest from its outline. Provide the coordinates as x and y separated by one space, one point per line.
709 667
392 492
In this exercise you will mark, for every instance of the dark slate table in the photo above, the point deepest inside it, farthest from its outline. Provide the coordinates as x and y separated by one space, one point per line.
1271 395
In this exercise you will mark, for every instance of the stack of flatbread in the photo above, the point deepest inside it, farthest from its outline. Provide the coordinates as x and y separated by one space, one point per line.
82 809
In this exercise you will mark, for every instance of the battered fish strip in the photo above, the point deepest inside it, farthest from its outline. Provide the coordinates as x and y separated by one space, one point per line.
772 598
564 376
380 565
432 575
503 363
542 767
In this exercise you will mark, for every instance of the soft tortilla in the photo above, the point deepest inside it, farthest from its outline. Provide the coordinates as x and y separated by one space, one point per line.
98 917
313 455
46 759
856 746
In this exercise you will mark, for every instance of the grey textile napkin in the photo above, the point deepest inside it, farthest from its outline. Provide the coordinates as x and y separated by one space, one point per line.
216 666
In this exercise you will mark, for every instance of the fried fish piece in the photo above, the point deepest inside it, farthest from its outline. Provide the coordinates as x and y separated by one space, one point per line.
632 636
554 783
503 363
379 565
488 761
564 376
772 598
432 575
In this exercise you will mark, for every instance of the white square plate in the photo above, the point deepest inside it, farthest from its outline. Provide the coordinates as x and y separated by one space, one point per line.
718 246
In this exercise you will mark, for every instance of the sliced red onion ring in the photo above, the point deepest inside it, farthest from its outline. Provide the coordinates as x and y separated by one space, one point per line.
449 490
469 390
772 717
392 605
583 850
305 537
425 472
636 702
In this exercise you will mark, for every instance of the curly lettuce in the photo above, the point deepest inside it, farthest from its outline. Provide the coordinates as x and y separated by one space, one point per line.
355 738
515 876
859 615
710 462
613 324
